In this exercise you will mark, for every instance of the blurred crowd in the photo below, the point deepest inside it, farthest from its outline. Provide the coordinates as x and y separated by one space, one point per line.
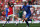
2 10
20 2
35 12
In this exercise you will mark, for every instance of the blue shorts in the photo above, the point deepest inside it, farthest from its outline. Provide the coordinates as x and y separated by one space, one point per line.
28 16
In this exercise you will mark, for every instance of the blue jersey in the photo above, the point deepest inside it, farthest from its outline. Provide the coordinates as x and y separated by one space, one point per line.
6 12
27 8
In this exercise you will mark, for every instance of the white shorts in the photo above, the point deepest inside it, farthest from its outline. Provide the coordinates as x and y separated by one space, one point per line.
10 15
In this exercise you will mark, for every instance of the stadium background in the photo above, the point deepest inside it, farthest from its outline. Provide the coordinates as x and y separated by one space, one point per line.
20 2
35 12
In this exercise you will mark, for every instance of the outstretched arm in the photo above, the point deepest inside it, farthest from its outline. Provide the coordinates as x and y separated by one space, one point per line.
33 7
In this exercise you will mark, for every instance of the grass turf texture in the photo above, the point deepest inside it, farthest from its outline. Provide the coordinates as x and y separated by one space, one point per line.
21 25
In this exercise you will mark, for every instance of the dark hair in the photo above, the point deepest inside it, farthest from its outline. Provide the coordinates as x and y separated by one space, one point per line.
9 4
12 3
20 9
25 2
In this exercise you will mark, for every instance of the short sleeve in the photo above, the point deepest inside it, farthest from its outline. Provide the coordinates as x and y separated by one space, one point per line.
22 7
29 6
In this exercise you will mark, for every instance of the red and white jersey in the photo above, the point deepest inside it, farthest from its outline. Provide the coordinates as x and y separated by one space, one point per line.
10 11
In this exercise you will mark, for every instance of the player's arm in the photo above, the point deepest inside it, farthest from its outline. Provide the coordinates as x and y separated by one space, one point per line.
33 7
22 7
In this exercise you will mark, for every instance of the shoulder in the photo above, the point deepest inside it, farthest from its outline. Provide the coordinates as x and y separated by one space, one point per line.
27 5
23 5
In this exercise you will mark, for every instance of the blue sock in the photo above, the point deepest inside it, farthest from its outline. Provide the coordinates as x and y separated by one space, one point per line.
27 23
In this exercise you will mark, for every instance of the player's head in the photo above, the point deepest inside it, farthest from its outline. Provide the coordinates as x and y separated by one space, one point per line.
25 3
12 5
20 8
9 4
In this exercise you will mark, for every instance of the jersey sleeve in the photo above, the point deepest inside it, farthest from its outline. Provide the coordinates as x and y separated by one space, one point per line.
29 6
22 7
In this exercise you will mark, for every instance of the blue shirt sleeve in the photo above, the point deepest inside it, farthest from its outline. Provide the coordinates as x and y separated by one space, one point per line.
29 6
22 7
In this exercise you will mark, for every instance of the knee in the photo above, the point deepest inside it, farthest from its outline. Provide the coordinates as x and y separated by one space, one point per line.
14 16
25 19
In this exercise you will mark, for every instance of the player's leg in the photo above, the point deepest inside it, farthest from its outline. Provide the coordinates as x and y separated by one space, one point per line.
26 21
32 21
31 18
6 20
16 19
4 24
27 18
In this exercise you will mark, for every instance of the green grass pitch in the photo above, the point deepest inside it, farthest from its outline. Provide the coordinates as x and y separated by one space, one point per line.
21 25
